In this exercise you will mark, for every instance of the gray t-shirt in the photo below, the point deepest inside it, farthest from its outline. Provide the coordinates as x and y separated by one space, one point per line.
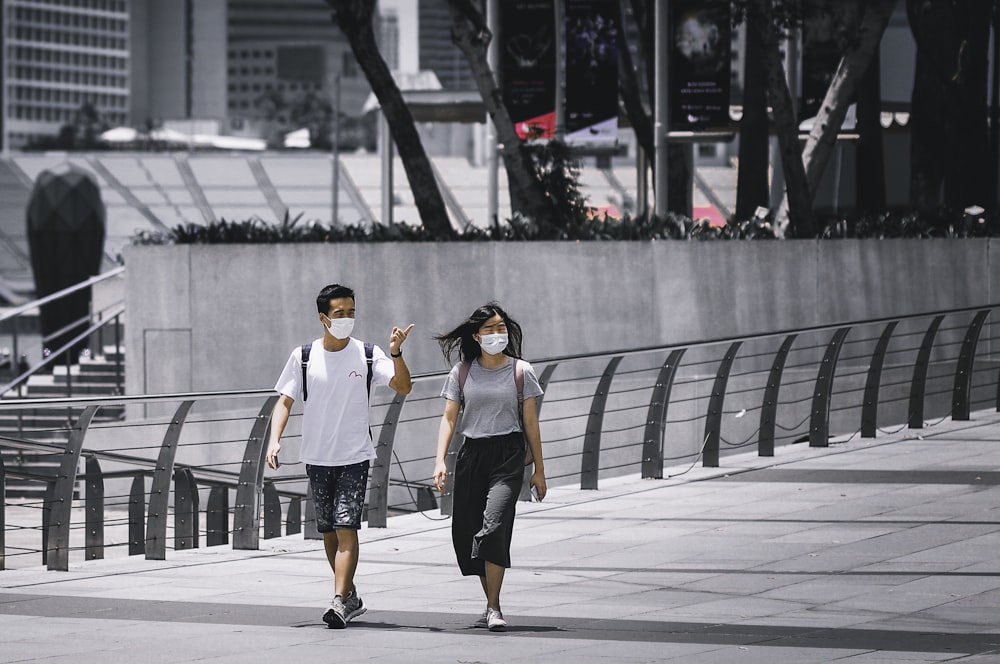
490 398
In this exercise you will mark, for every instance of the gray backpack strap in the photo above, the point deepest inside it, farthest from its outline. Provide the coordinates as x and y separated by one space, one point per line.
463 375
519 382
306 348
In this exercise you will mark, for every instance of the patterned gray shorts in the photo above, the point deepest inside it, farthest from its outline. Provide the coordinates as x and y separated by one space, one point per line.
339 494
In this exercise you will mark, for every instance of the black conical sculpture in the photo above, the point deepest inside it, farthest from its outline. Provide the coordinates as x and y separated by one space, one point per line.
66 230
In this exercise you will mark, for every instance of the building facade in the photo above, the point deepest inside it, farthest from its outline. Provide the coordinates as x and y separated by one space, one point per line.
59 55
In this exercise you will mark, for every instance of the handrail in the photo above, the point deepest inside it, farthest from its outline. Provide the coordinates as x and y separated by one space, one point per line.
53 356
34 304
717 341
15 404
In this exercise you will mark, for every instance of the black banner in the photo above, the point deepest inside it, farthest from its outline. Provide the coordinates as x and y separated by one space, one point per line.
592 37
700 54
827 29
528 65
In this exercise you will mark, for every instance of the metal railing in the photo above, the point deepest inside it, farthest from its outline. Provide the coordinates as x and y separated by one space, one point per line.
24 361
644 411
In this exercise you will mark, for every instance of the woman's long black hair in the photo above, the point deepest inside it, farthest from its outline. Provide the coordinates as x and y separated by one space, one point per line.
460 339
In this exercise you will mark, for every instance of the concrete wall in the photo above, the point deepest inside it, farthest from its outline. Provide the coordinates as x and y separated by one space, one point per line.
226 317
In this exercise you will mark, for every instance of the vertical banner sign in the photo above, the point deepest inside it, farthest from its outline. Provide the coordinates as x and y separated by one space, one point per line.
827 28
700 54
528 65
592 39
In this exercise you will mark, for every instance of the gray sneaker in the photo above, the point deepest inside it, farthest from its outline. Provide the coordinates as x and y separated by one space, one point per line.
343 610
353 606
495 621
336 614
483 620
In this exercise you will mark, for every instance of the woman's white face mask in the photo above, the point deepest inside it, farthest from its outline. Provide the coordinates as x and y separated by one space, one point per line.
341 328
493 344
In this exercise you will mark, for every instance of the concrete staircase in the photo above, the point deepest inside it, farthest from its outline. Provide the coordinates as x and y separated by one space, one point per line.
99 376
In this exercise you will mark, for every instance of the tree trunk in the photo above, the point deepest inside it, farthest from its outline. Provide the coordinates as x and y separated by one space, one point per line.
853 65
870 159
354 17
751 176
801 218
470 34
680 187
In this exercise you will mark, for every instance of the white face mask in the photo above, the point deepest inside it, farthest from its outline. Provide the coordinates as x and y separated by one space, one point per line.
341 328
493 344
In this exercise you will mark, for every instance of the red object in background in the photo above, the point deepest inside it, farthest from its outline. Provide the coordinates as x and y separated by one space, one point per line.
709 212
544 126
600 211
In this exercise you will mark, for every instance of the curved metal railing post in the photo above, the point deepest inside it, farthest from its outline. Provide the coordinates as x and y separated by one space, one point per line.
543 382
656 417
446 500
769 405
94 508
918 385
217 516
246 514
3 515
186 510
57 546
136 516
869 409
378 497
272 511
961 396
293 518
819 422
310 529
713 421
159 492
591 457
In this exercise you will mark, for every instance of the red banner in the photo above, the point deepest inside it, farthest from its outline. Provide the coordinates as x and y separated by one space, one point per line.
528 65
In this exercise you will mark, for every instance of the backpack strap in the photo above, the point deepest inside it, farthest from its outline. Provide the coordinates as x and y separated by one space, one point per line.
306 348
369 355
463 375
519 383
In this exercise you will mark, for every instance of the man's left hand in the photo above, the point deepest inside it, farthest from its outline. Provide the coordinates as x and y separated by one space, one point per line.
397 338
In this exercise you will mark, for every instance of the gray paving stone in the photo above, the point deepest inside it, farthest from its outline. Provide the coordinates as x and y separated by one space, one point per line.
868 551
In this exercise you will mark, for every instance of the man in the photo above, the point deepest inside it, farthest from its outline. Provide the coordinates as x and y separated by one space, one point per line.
336 440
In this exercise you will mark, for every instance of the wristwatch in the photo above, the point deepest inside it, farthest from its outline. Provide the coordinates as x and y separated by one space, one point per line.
399 354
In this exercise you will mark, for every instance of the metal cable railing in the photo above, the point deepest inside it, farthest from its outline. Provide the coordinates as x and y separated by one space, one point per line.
197 476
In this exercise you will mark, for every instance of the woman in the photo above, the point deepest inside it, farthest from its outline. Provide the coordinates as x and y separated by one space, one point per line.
489 470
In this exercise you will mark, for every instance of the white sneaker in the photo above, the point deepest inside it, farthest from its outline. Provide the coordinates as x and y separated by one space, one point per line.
495 621
483 619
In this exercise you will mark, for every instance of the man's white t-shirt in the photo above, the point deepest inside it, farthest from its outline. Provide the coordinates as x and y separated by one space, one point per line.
335 416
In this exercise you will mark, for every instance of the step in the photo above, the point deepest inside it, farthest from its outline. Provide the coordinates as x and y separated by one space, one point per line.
34 424
74 389
96 367
46 465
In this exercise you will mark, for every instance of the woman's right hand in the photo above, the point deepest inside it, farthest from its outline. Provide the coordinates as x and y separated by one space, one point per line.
440 475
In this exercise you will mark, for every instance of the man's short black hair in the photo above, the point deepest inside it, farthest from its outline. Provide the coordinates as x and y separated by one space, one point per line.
331 292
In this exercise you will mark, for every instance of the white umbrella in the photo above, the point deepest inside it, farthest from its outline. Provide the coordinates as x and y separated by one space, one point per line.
298 138
120 135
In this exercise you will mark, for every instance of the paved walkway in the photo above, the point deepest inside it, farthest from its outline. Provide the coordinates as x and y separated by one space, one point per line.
868 551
